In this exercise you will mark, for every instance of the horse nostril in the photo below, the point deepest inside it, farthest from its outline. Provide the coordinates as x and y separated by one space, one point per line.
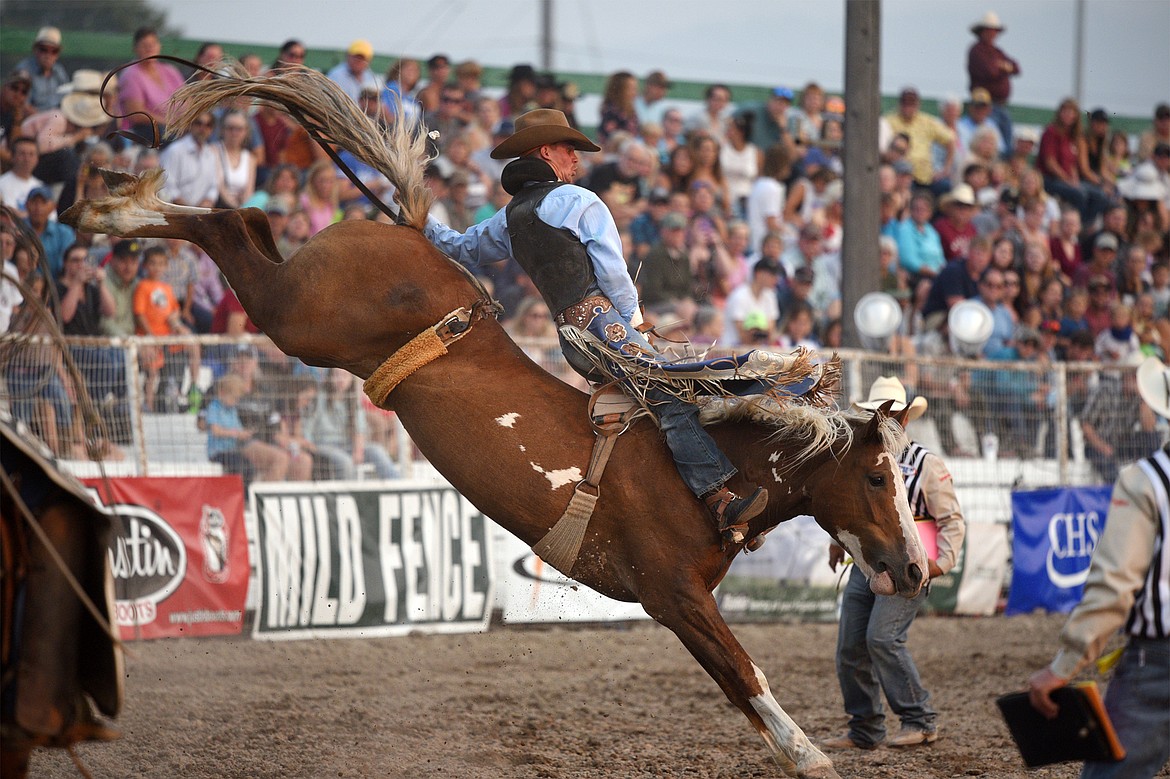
915 573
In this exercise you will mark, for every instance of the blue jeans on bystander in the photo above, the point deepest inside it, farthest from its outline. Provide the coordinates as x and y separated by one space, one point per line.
1138 702
872 658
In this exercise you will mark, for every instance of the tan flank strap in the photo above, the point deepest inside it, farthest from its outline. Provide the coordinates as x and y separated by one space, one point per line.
427 346
561 545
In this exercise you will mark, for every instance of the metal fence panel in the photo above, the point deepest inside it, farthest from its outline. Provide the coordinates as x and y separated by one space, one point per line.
999 426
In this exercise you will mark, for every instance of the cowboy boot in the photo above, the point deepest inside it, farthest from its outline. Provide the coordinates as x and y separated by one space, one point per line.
732 513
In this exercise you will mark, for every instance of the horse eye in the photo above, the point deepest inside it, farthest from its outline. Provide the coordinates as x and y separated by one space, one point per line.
877 481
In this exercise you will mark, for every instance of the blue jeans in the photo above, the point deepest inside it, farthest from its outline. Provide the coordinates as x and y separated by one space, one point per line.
703 466
1086 198
1003 121
342 467
699 460
872 657
29 383
1138 702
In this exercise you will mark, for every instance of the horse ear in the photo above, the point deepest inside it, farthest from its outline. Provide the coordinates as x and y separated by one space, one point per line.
903 417
872 428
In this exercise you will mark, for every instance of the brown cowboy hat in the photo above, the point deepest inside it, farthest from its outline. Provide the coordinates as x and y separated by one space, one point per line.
539 128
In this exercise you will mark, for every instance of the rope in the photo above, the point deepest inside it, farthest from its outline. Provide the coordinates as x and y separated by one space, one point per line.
560 546
420 350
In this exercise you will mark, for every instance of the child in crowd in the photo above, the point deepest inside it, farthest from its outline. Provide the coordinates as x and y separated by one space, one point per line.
156 312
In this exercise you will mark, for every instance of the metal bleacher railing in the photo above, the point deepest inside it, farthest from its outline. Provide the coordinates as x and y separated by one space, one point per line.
999 426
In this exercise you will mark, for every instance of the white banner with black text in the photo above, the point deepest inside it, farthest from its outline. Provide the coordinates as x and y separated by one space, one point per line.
367 559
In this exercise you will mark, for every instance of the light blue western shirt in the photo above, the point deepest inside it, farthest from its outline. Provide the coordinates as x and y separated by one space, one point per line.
573 208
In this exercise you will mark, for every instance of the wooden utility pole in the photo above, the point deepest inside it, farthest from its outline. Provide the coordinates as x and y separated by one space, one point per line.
859 251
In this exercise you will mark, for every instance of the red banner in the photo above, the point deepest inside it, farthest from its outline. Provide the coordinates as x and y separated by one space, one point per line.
179 555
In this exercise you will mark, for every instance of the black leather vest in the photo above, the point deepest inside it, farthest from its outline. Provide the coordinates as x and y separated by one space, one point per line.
553 257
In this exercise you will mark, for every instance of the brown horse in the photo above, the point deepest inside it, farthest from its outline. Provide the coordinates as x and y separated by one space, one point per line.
512 438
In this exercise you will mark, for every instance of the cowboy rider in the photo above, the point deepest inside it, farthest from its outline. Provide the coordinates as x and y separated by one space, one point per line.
565 238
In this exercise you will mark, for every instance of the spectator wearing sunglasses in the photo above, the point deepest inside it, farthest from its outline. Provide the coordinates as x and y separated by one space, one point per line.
14 109
48 75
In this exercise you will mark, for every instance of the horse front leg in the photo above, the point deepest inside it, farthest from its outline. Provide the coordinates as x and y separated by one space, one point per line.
694 618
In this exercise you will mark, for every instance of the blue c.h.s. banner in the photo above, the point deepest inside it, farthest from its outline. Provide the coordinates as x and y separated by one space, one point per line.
1054 532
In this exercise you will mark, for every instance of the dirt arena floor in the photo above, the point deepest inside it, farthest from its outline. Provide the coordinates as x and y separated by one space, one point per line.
550 703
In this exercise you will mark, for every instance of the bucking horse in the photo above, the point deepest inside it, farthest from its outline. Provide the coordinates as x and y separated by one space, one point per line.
378 300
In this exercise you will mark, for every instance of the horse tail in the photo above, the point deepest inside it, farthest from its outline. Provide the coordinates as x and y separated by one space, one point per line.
328 113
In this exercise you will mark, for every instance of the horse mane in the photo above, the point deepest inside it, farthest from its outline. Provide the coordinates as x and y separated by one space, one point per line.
812 429
319 105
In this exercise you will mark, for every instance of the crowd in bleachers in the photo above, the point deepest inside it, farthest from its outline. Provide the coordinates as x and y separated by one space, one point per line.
730 212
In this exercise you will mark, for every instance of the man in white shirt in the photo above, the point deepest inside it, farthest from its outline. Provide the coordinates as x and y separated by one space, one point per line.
192 167
752 312
10 296
765 203
18 182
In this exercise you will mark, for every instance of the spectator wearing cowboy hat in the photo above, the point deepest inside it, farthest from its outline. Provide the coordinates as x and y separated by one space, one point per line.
955 228
1125 590
48 75
1148 187
60 131
567 241
872 656
989 68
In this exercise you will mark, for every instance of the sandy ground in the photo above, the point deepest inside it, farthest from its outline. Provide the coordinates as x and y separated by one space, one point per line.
555 703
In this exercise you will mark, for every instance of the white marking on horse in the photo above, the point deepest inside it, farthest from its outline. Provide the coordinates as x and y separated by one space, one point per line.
507 420
914 548
523 448
777 476
559 478
783 736
774 457
883 584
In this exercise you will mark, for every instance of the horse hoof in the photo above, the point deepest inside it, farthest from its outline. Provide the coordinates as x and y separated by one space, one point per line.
822 771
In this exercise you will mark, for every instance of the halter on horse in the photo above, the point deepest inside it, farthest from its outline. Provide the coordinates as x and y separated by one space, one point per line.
509 436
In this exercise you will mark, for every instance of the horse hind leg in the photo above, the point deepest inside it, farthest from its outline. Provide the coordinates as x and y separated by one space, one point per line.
133 209
696 621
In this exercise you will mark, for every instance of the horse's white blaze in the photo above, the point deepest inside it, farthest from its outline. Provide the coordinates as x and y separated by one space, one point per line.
853 544
883 584
914 548
507 420
774 457
787 741
777 476
559 478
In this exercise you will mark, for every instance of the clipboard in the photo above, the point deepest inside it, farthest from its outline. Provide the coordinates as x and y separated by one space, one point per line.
928 533
1081 731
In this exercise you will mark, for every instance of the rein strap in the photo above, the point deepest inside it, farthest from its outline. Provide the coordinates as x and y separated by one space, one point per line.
427 346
